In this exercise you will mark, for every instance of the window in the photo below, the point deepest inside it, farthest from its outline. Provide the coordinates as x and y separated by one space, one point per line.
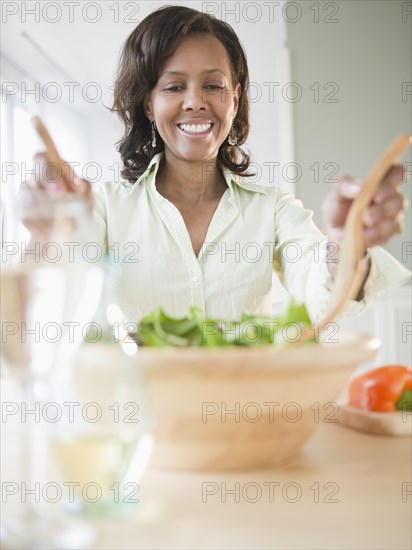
18 144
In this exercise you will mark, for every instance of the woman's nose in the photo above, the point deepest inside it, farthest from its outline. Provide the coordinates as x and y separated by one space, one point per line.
195 99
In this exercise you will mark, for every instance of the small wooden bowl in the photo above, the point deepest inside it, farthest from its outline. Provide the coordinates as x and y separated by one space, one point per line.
240 408
395 424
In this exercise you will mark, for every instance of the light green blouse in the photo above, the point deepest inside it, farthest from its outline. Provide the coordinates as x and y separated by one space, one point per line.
255 229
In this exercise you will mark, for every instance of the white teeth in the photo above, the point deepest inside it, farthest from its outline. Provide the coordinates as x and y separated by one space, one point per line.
195 129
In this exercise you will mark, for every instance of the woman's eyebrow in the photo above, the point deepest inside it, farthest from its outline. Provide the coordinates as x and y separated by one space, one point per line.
207 71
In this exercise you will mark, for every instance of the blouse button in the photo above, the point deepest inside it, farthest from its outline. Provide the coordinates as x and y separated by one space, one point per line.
195 279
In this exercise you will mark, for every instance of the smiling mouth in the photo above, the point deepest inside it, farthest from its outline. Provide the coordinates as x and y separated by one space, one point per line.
196 129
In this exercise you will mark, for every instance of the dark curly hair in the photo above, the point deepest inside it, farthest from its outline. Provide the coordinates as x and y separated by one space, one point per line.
144 52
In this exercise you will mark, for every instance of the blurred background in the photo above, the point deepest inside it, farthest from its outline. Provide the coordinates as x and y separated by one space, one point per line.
331 86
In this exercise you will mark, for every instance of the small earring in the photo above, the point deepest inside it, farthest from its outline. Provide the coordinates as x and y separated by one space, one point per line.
232 138
153 134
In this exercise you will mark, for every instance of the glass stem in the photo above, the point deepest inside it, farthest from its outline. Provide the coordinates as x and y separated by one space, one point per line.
31 441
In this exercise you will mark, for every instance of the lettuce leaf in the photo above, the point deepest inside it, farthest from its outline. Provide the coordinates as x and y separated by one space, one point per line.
160 330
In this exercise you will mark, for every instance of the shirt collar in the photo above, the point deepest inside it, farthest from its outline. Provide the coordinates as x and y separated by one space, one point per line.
229 176
152 166
242 182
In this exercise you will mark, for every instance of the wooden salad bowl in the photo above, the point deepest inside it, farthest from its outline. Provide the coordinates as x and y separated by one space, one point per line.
241 408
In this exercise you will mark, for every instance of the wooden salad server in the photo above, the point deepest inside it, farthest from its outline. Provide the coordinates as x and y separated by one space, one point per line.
353 264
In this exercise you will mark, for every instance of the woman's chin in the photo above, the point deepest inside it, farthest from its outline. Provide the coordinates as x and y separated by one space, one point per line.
196 155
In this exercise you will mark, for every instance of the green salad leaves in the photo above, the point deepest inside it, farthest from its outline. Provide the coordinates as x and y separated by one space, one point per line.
159 330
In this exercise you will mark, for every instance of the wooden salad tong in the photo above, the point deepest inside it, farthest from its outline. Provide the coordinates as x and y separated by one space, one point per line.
353 265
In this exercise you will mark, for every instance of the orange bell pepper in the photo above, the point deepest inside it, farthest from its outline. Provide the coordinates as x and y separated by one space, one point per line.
385 389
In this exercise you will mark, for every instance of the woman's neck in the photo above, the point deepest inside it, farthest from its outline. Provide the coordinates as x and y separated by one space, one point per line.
190 182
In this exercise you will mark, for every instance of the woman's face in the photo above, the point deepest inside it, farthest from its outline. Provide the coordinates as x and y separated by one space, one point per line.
194 101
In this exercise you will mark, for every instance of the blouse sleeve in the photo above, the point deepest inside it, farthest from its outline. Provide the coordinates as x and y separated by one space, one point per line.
301 261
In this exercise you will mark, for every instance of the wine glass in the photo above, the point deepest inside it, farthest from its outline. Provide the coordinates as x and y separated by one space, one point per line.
102 444
41 293
103 440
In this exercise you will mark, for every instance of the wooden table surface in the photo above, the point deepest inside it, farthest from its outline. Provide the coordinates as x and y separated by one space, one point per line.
362 484
346 490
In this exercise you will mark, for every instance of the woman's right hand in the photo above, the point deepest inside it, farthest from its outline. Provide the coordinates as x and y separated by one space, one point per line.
48 186
55 180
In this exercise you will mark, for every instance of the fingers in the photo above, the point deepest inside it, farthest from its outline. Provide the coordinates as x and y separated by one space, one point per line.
391 184
383 231
47 181
46 175
336 205
50 177
384 218
348 188
389 209
383 221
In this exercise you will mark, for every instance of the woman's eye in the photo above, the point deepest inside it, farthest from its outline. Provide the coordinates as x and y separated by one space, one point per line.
173 89
208 87
214 87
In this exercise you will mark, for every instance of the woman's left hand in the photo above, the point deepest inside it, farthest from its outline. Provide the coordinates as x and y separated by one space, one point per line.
382 220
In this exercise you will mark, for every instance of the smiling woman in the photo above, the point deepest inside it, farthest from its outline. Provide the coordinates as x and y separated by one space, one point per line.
180 52
190 229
